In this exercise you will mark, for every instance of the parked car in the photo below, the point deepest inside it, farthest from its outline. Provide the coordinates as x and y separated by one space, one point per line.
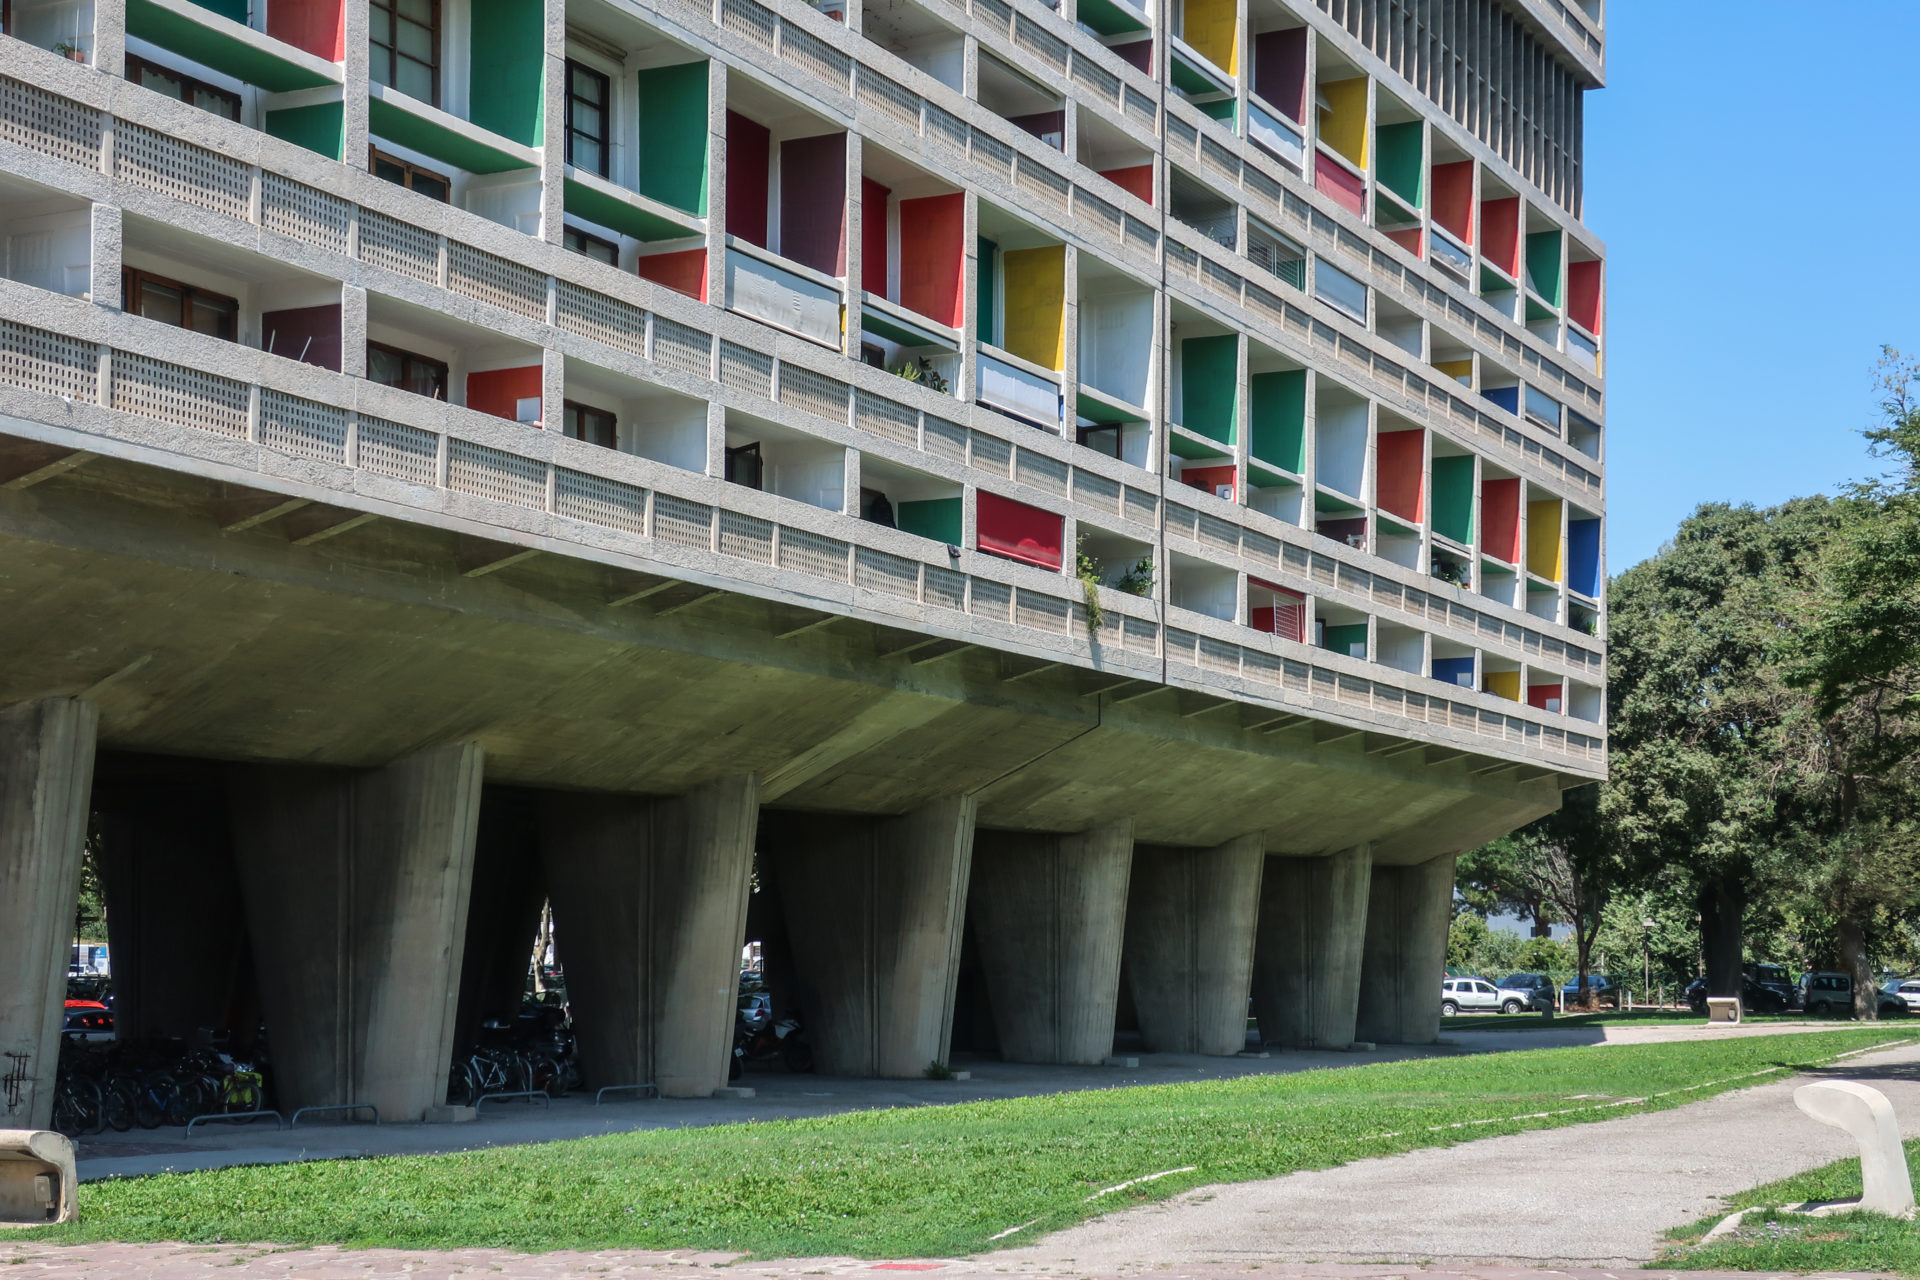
87 1020
1477 994
1599 985
1537 988
1907 991
1831 994
1763 989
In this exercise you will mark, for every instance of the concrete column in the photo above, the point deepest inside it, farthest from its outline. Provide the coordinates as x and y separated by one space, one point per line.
356 887
1406 952
1048 912
649 908
46 775
503 912
1306 965
874 910
1189 943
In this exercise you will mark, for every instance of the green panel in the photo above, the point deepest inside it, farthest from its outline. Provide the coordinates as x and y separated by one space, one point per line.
627 219
1110 19
1340 639
218 49
936 518
1402 166
1325 504
507 48
673 136
1219 109
1543 264
1196 450
1210 385
983 290
411 131
1279 411
232 10
1453 499
1095 409
1189 78
321 127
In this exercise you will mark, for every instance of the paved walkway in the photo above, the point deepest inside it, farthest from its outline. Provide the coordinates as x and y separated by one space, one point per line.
1596 1195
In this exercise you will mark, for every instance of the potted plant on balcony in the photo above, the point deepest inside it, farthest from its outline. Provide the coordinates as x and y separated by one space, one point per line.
71 51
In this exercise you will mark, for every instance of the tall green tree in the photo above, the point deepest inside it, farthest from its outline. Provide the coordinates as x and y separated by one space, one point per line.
1567 861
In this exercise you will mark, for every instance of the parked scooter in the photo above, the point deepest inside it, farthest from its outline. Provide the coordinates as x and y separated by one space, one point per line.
759 1037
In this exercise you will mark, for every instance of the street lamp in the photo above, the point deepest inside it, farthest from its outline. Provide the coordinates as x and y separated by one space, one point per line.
1646 955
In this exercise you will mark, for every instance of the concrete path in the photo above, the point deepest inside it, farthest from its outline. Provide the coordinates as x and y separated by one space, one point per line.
1598 1194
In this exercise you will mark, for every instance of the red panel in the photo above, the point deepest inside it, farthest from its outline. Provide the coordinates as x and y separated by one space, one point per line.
1500 500
873 238
1453 198
1286 618
1137 54
499 391
1537 695
1018 531
933 256
318 26
1500 234
1403 459
1583 295
1408 239
1280 71
813 202
684 271
1137 179
1346 188
311 334
749 152
1211 479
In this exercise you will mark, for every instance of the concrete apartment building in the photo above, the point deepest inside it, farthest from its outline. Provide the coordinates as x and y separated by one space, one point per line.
1097 505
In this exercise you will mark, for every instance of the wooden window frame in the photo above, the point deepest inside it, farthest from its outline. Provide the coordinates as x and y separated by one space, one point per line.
446 373
612 423
133 278
412 170
605 137
135 63
587 237
439 32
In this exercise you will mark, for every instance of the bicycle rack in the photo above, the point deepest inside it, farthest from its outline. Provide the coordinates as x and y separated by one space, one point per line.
338 1106
279 1121
601 1095
528 1094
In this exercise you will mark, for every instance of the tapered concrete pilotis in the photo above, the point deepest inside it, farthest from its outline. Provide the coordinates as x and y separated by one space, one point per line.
1189 944
874 909
1048 912
1313 919
46 775
356 887
649 907
1406 952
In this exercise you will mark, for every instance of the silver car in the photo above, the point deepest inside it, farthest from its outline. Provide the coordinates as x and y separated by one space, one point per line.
1478 995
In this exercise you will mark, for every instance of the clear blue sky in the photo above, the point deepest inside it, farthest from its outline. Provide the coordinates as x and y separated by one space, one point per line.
1748 166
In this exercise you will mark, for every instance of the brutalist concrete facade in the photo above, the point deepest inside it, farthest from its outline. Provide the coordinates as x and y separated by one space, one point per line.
1073 492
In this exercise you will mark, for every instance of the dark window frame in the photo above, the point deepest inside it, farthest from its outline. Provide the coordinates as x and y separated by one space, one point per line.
603 424
437 30
605 137
136 63
411 170
587 237
135 278
408 359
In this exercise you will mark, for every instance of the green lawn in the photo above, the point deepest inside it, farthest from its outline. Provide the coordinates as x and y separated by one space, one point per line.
927 1180
1621 1018
1772 1241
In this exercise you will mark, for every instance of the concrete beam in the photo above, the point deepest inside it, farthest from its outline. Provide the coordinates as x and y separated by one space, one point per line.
46 777
1048 912
1313 919
1189 943
24 463
356 887
1405 954
315 523
240 508
874 909
649 905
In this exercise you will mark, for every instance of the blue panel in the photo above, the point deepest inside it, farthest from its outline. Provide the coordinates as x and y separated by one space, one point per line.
1507 398
1456 671
1583 556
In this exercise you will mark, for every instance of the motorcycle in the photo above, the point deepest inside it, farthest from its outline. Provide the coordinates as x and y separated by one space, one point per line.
759 1037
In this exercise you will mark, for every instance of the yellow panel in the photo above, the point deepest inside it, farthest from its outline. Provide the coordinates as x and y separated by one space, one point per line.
1545 554
1344 125
1209 27
1505 684
1460 371
1035 309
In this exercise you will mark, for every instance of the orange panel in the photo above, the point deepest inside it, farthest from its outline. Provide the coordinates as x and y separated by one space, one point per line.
933 258
1583 295
1211 479
1500 501
500 391
317 26
1500 234
1137 179
685 271
1453 198
1403 462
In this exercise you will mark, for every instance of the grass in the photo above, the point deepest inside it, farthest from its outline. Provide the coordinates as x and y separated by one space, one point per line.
1775 1241
1610 1017
925 1181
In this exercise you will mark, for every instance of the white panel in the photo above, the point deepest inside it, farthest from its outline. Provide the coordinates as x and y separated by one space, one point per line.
780 297
1026 394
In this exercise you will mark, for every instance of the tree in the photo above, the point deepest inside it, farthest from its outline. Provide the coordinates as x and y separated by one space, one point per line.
1490 879
1566 862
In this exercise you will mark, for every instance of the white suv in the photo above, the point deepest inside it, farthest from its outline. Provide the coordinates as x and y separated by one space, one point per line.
1478 994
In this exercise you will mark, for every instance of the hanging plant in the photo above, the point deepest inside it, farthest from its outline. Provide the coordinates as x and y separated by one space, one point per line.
1138 581
1087 569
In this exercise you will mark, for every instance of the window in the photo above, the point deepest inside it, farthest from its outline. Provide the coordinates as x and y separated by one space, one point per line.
745 466
405 40
589 119
189 90
591 246
181 305
411 176
595 426
392 367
